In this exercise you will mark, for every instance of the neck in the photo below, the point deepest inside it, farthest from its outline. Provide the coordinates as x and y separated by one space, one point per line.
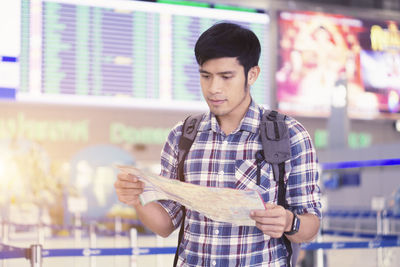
231 121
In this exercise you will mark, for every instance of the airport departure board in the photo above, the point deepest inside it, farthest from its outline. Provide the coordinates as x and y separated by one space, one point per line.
122 52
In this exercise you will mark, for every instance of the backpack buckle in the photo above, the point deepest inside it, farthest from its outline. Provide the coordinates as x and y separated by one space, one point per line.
191 126
272 115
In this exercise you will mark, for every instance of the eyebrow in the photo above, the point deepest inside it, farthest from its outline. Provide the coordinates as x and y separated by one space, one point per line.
219 73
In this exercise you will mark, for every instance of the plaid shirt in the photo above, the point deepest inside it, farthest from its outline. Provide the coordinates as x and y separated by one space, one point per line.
220 160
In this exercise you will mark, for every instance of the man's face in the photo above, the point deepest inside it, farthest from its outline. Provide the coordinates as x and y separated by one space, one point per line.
224 86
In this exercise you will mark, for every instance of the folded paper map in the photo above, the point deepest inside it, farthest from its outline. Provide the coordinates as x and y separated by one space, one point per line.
219 204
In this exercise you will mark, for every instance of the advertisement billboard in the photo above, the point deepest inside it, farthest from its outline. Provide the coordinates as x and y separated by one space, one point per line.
320 53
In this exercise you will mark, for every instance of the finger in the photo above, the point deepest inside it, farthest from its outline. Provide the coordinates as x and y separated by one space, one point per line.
258 213
271 210
130 192
268 220
270 213
123 176
129 184
276 213
273 234
271 230
269 205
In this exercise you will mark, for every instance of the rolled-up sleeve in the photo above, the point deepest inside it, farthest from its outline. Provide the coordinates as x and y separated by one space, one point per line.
303 193
169 164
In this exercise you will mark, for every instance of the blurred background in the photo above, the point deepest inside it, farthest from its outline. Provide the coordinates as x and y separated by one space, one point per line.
86 85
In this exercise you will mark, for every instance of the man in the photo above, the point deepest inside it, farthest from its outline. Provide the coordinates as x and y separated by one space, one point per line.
223 155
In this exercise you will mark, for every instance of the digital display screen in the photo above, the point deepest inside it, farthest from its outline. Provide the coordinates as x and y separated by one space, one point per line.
380 64
319 53
10 42
131 53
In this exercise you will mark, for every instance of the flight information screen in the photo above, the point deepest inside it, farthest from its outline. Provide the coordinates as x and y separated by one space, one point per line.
130 53
10 42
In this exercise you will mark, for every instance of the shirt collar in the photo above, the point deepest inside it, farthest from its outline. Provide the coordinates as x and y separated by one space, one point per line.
249 123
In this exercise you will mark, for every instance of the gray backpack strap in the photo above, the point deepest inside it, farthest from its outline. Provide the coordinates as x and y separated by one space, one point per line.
189 132
275 140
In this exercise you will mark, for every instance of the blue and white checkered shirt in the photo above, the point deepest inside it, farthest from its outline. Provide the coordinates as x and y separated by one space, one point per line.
220 160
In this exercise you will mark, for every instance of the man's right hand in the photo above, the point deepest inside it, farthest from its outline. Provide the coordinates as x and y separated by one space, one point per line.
128 188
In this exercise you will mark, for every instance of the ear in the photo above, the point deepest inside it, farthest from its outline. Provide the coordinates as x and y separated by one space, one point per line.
252 75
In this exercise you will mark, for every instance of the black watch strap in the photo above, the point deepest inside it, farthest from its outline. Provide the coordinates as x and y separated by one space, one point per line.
295 225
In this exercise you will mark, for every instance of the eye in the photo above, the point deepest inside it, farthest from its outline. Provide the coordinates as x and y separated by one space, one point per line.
205 76
226 77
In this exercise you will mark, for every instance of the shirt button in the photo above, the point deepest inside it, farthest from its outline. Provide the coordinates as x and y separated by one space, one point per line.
225 142
214 263
221 172
216 232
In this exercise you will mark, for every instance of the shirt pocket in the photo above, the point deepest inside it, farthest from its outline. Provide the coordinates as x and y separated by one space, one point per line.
246 177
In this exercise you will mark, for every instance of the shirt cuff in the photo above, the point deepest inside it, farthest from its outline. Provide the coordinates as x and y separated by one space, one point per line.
174 210
312 210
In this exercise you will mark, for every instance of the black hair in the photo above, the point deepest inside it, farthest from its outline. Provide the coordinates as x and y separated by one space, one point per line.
228 40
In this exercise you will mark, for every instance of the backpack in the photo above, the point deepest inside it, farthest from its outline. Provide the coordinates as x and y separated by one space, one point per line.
276 150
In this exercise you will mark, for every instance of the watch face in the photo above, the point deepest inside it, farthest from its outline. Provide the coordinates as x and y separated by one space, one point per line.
295 225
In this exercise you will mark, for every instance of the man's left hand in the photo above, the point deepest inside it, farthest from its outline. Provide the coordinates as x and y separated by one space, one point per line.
274 220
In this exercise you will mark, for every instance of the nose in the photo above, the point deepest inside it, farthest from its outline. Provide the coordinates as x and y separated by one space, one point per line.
215 85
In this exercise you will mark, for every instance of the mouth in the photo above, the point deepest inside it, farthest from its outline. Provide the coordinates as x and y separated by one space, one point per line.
216 101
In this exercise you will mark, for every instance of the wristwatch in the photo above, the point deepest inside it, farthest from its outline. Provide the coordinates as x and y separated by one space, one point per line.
295 225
